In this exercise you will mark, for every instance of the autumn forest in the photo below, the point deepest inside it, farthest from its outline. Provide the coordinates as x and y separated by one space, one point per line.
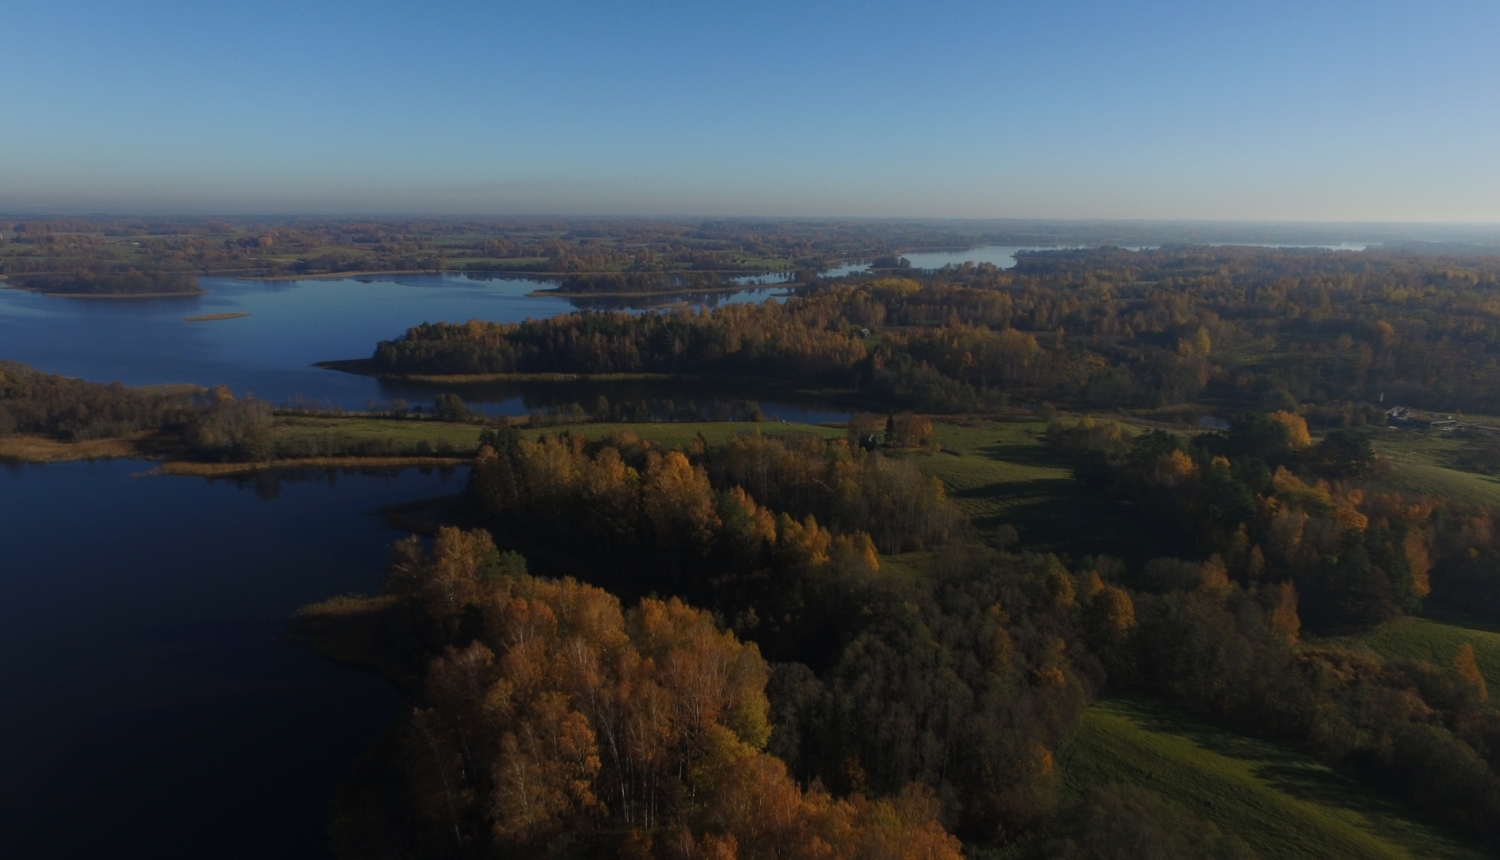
1210 483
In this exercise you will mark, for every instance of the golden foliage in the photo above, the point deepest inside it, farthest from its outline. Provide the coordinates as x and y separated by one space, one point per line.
567 712
1296 428
1468 669
1111 615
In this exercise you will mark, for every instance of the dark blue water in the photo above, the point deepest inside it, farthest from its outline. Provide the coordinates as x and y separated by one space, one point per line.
149 709
294 324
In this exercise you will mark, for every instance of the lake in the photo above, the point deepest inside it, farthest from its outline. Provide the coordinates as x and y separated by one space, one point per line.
150 710
293 324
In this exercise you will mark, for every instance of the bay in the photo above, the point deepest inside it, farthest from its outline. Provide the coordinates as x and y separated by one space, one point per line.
291 325
151 708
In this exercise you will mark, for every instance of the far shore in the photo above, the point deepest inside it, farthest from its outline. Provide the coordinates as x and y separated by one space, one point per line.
228 470
142 446
530 273
366 367
213 317
103 295
336 275
559 292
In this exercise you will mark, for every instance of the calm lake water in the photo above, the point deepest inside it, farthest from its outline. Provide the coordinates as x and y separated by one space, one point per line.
149 708
293 324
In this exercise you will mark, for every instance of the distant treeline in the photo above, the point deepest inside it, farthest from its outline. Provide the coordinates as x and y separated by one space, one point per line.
72 410
211 422
770 340
1105 329
300 246
128 282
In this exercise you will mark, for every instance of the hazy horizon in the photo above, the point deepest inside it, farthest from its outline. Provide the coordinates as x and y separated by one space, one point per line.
1377 113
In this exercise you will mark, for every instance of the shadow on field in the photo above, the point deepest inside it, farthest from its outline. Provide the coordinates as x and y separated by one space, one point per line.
1035 455
1289 772
1059 515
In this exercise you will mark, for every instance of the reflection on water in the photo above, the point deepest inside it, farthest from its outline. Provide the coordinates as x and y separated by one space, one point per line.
649 399
267 485
149 708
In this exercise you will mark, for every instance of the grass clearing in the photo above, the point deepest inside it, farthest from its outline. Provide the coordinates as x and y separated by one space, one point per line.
1434 638
1280 801
1000 473
465 437
674 435
1421 462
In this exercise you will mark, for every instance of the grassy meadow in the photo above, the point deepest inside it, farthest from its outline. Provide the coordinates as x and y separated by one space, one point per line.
681 434
1435 638
465 437
1423 462
1283 803
1000 473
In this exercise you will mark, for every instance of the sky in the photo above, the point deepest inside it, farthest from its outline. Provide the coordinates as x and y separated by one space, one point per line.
1307 111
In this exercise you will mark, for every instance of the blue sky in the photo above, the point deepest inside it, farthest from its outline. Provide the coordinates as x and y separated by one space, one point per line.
1303 111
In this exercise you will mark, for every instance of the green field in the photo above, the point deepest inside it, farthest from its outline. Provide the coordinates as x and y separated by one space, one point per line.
1000 473
1284 804
1421 462
1435 638
673 435
465 437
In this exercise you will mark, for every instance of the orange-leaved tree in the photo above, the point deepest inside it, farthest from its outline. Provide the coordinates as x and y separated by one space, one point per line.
566 717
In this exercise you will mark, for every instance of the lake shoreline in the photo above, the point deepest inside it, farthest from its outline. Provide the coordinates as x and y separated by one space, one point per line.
41 449
152 447
366 367
526 273
577 294
232 470
42 291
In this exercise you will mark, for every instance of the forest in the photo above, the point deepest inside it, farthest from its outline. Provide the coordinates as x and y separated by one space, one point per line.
947 694
1197 329
207 423
907 656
